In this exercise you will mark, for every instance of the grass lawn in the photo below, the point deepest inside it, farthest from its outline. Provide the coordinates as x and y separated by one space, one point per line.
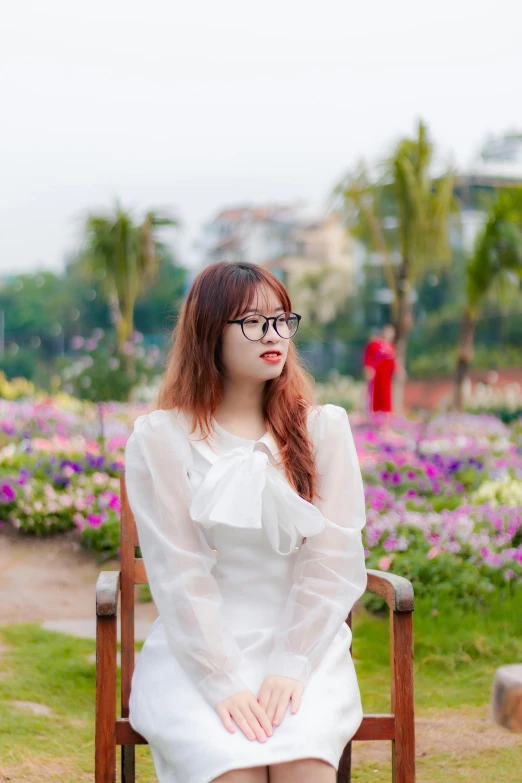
456 655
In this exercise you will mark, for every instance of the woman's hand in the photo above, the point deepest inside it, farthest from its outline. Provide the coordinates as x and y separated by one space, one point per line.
244 709
275 694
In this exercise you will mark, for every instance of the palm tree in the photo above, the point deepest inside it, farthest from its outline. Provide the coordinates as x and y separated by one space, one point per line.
402 215
124 255
494 267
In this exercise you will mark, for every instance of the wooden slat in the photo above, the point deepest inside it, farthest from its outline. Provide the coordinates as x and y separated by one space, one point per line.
125 734
127 597
128 764
402 704
373 727
344 771
140 575
376 727
105 747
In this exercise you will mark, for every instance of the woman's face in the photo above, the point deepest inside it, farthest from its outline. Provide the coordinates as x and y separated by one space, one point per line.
242 358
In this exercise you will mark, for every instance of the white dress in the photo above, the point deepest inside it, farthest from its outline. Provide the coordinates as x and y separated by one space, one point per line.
240 595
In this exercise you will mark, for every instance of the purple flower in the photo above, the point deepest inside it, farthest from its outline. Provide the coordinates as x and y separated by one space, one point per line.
94 461
7 493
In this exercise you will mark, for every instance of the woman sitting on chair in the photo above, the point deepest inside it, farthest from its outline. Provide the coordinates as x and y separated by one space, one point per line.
249 505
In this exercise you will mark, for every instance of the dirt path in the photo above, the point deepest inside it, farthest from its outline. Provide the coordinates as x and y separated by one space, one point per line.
43 579
464 732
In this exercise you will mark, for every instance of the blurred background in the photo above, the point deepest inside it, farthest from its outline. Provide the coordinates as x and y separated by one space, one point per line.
227 134
370 155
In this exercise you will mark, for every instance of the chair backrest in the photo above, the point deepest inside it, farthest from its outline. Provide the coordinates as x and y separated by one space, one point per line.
132 572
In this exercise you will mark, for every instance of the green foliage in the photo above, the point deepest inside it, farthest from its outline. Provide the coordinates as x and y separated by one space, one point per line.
43 312
102 370
441 362
125 256
440 577
446 579
105 539
401 210
497 258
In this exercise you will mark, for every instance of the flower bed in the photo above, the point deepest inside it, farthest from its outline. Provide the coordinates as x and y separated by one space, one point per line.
60 463
444 496
444 503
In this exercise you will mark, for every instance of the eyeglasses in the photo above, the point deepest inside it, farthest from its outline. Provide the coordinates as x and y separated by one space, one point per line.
256 326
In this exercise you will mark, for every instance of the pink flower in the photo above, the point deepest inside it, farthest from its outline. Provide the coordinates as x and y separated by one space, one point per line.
42 444
117 442
76 342
95 520
114 503
385 562
434 551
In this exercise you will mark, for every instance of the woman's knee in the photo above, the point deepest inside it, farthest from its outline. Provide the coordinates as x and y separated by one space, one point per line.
246 775
304 770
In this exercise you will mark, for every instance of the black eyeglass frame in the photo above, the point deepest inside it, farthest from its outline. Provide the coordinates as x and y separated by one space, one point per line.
273 318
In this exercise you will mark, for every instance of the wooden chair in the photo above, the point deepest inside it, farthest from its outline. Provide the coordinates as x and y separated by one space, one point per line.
397 727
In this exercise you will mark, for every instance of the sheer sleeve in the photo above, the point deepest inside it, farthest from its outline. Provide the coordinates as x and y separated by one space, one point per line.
330 571
177 558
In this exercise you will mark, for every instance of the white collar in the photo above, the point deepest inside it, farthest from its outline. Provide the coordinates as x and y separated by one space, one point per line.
221 440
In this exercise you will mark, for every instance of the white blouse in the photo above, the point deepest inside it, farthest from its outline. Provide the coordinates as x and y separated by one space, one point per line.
180 488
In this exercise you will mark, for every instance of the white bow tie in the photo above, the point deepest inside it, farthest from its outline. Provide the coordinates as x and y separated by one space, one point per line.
243 489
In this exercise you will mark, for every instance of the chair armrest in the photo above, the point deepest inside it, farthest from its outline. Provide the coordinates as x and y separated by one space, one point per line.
107 589
396 590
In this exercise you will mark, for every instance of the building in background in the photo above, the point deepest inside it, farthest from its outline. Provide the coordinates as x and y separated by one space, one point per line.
497 165
304 246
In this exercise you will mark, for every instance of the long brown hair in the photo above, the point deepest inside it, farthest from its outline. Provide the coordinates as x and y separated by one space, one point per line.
193 377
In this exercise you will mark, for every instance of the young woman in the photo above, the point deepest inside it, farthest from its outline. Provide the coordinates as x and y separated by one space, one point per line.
249 504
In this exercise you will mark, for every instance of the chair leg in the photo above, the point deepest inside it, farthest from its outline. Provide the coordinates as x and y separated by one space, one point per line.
128 764
401 650
105 732
344 773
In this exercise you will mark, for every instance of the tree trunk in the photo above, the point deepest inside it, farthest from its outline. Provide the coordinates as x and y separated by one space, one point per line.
403 327
464 356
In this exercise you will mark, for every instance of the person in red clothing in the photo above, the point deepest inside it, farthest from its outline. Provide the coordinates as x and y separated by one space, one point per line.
380 363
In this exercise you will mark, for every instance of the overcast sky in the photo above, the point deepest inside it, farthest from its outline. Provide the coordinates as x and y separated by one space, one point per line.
197 105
